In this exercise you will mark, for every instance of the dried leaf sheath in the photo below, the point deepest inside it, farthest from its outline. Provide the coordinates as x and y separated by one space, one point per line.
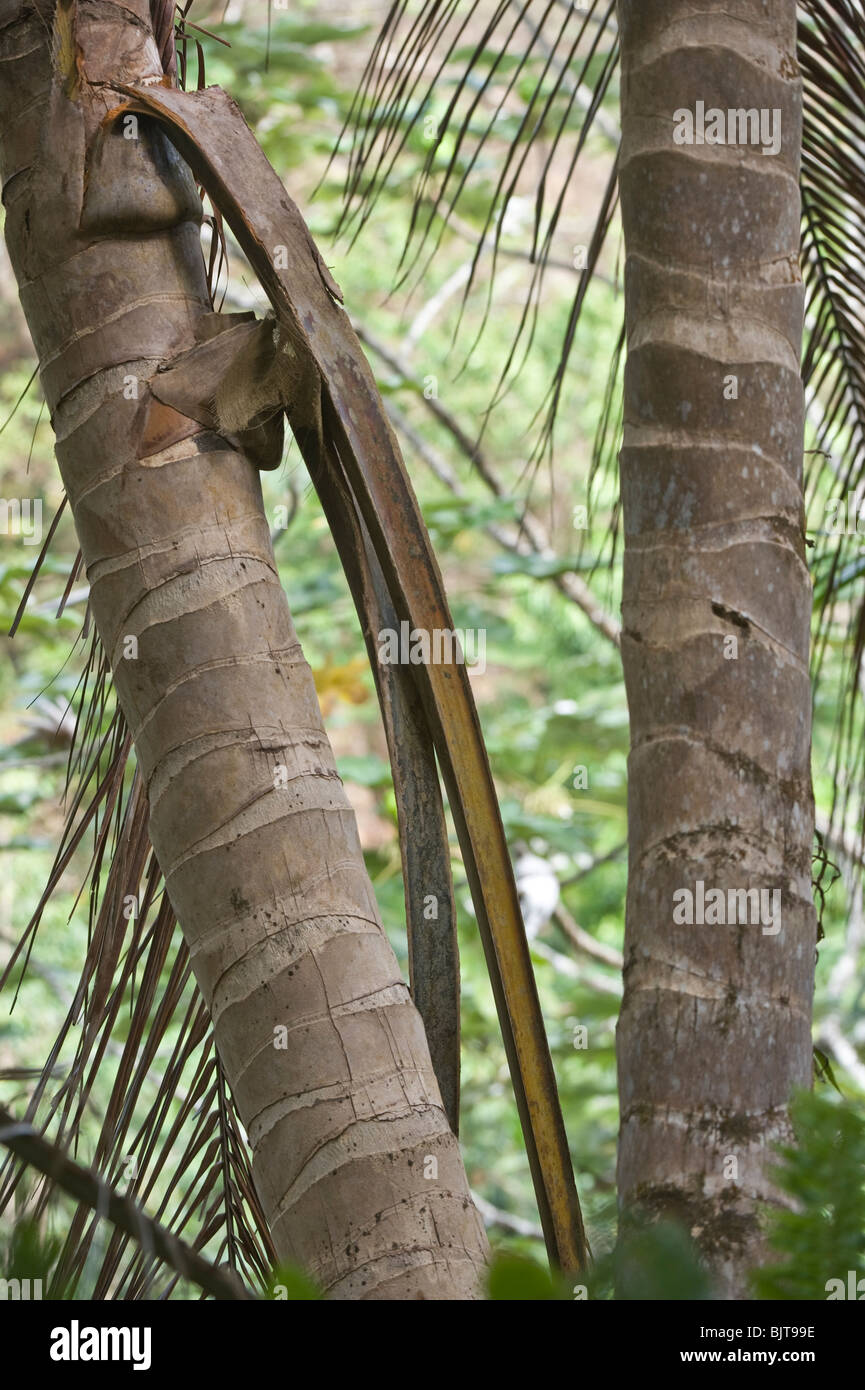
430 908
338 398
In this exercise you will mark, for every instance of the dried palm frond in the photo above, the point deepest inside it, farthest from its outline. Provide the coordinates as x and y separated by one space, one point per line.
168 1123
90 1191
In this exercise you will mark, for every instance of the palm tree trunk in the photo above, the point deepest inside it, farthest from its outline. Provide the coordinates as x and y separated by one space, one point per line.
324 1050
715 1024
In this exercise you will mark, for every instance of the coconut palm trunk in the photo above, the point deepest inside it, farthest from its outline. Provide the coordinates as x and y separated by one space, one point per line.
719 960
359 1175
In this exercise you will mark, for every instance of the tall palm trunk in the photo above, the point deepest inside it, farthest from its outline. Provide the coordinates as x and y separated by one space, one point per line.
715 1024
324 1050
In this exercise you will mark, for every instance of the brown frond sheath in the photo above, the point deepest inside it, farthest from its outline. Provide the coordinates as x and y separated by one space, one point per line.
433 951
210 133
